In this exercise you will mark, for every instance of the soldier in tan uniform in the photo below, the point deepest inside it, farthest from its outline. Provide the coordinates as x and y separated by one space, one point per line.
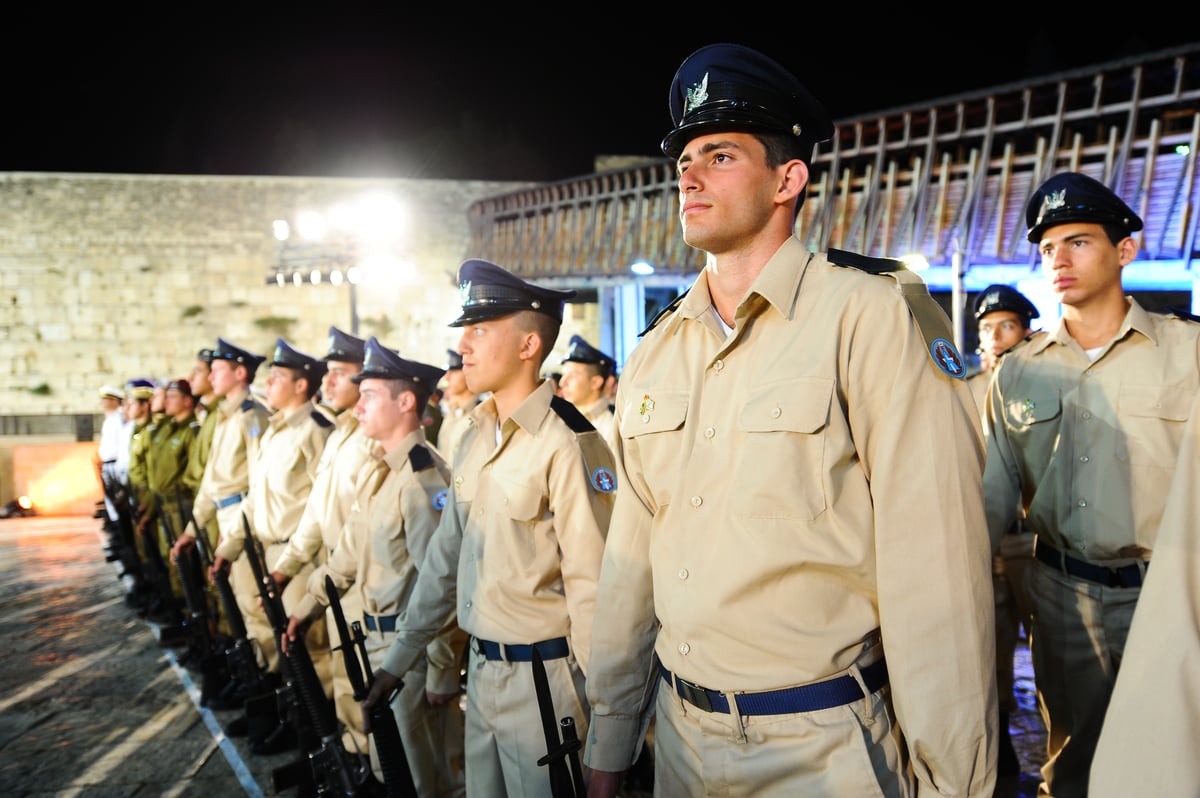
380 551
344 463
457 403
796 581
1084 424
585 373
1003 316
1148 741
240 421
519 544
281 478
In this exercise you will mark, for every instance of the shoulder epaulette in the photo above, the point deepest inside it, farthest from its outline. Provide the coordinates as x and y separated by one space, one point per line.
841 257
1183 314
248 404
321 419
570 415
420 458
670 308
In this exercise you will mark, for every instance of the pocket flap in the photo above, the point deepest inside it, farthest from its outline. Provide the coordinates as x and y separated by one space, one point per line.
653 413
796 405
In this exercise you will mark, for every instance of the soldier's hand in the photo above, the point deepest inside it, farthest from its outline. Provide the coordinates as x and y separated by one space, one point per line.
605 783
218 564
381 690
437 699
281 579
182 543
295 627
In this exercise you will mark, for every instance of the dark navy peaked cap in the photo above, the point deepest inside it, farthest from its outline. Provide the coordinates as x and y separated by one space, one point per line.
583 352
490 292
453 360
344 347
729 87
227 351
288 356
1075 197
205 355
382 363
1003 297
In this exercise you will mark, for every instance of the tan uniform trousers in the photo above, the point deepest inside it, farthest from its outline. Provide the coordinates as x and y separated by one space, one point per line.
423 728
853 749
504 734
1012 610
1076 644
258 628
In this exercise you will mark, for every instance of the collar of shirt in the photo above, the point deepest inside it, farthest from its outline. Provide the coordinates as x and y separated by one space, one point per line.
1136 319
778 282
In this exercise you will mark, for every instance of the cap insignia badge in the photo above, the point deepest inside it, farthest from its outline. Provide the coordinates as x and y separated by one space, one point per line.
1054 200
696 96
464 291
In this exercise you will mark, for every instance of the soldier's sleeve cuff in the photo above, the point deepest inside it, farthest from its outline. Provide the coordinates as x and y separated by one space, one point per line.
442 680
401 658
612 743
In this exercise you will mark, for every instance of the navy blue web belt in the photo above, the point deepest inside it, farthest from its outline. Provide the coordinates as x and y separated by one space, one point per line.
380 623
1125 576
227 501
807 698
549 649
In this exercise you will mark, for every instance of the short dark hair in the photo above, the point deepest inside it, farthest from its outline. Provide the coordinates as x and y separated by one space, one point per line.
546 328
420 391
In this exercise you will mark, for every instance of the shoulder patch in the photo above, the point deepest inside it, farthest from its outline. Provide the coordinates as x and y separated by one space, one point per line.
841 257
420 458
321 419
571 415
439 499
670 308
603 480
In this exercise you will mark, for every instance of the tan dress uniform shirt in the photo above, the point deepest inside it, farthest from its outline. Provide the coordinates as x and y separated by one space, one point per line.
454 423
383 543
242 418
281 478
520 541
1089 447
1148 742
344 461
788 495
601 415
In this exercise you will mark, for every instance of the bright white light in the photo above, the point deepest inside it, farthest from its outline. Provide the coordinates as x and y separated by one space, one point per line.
915 262
380 217
335 277
297 279
279 279
642 269
312 225
315 277
282 230
354 275
1183 149
341 216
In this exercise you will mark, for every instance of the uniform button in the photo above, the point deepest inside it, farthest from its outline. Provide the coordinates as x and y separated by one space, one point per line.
708 433
645 419
1083 502
720 364
468 604
458 481
776 412
683 573
1083 458
697 501
1086 415
684 648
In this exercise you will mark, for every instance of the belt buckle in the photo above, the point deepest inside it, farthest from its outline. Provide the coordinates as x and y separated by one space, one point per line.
694 694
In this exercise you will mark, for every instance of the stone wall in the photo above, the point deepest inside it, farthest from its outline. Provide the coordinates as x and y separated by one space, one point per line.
107 277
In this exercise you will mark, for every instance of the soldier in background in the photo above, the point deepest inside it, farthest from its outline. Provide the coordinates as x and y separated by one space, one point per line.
585 374
343 465
458 400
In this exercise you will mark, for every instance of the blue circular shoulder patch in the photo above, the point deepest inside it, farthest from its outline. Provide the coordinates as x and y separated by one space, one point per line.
439 499
604 480
946 355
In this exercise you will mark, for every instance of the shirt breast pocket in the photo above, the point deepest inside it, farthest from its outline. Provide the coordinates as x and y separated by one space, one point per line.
652 427
1152 418
781 459
1023 413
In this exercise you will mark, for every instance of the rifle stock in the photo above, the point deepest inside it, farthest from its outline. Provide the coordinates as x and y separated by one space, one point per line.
393 759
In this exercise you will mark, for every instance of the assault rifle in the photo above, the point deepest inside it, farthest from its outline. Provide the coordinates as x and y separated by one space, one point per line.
333 771
157 574
397 775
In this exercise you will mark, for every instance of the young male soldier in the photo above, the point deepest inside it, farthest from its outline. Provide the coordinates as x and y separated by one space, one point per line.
799 466
585 373
1003 316
1084 427
240 421
281 478
154 598
519 546
344 463
380 550
457 403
